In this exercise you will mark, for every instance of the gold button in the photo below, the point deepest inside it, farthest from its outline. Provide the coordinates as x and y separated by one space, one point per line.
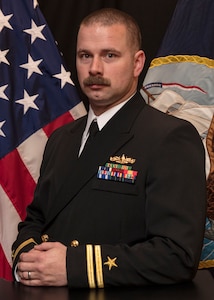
45 237
74 243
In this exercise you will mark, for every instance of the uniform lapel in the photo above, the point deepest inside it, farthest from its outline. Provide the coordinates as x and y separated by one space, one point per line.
113 136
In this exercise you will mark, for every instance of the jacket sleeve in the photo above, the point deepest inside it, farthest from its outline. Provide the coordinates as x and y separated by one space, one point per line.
175 217
30 230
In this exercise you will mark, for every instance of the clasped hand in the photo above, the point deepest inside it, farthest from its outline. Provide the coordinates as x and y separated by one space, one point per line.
44 265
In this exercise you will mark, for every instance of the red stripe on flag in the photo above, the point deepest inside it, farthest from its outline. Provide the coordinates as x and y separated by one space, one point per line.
62 120
5 269
17 182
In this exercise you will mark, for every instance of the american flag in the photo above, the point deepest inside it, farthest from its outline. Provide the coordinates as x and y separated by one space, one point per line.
37 96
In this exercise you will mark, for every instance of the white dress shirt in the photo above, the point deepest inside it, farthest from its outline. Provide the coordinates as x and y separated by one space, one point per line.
101 120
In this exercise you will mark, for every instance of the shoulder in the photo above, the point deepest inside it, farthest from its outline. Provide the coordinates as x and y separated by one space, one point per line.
158 127
69 128
158 119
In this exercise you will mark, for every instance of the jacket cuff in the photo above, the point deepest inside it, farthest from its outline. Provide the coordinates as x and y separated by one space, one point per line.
23 247
84 266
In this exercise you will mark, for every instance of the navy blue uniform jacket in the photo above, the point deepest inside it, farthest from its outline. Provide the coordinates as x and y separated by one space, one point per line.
146 232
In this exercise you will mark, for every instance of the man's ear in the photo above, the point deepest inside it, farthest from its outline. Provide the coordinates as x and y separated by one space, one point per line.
139 62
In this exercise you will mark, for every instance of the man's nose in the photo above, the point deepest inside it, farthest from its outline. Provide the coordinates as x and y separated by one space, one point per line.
96 66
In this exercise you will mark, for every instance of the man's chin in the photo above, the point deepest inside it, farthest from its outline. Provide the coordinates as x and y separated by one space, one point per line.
96 96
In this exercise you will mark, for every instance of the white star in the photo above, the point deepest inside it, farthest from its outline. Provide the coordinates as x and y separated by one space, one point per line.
3 56
4 21
35 32
32 66
28 102
2 94
35 3
64 76
1 132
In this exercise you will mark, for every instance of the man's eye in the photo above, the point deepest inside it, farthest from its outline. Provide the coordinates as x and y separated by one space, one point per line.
84 55
110 55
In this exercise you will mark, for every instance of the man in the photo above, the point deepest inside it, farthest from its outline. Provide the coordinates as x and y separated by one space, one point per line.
129 207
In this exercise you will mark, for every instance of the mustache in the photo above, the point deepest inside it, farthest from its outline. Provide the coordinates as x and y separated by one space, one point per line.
98 80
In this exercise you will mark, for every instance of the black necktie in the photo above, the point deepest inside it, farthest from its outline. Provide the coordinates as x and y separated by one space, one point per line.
93 129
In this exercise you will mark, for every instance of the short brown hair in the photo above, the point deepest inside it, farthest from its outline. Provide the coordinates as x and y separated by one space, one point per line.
111 16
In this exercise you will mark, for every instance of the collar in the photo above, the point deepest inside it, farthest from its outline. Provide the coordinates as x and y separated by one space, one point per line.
101 120
104 117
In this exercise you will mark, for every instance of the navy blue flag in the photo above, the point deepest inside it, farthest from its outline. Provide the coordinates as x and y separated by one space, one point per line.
185 60
37 95
180 82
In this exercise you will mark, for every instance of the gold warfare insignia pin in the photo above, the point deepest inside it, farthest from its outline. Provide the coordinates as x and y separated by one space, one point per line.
122 159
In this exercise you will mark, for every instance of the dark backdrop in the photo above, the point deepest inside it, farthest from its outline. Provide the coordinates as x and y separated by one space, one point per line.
64 16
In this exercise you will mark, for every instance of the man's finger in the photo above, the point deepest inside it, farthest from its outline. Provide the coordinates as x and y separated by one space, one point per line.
46 246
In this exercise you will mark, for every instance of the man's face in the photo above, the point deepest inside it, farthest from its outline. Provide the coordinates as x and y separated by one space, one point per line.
107 66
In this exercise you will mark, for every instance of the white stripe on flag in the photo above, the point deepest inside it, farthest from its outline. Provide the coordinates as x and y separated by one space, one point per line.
9 219
31 152
78 111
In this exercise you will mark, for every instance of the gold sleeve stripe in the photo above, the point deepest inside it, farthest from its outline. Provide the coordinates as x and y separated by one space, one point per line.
90 266
99 269
21 246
